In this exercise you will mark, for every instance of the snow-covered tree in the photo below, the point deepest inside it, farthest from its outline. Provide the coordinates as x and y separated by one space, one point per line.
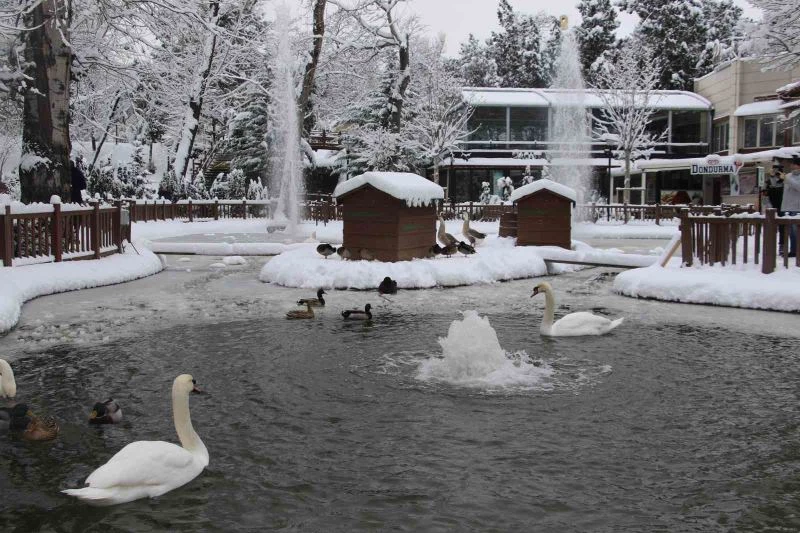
596 32
256 190
778 36
103 181
627 93
195 187
219 188
248 138
170 187
237 184
476 67
723 19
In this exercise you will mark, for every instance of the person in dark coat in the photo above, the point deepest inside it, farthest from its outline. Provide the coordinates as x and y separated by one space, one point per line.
78 182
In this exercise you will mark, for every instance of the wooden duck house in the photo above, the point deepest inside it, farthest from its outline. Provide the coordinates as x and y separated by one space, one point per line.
388 216
544 214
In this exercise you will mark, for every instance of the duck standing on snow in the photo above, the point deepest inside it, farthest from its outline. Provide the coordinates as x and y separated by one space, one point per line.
465 248
366 255
8 387
434 251
473 236
319 301
325 250
444 237
343 252
450 249
573 324
294 315
387 286
148 469
107 412
358 314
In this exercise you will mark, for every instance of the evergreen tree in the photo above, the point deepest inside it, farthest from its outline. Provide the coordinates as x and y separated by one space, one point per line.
237 184
256 190
102 182
596 31
248 137
722 19
196 187
677 30
516 49
476 67
169 187
219 189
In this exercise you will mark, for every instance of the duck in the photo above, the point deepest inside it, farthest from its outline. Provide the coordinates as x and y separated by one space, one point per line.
325 250
434 250
465 248
41 428
574 324
366 255
450 249
387 286
308 313
8 387
473 236
107 412
358 314
445 237
15 418
343 252
148 469
319 301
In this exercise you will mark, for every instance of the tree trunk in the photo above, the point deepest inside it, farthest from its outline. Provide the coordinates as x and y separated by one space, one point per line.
626 194
436 170
105 132
191 120
44 167
311 66
397 97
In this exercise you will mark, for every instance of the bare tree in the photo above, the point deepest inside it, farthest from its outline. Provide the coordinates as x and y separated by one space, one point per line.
777 37
318 28
628 93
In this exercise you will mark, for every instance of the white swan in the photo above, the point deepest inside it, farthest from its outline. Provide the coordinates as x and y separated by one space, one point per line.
150 468
8 387
573 324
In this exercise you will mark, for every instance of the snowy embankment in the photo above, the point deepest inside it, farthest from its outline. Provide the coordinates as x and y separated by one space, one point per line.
585 253
632 230
496 260
20 284
726 286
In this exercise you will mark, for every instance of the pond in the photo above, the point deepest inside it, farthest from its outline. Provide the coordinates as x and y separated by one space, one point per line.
326 425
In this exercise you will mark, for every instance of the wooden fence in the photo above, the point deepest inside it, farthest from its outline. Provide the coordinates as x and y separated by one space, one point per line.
60 233
742 239
654 212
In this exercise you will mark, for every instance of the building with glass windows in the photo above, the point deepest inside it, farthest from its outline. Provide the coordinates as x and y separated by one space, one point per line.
510 137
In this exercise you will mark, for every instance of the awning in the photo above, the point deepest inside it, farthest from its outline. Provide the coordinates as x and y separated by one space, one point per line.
766 107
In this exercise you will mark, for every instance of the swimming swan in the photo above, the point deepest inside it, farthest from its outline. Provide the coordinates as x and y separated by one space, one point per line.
573 324
8 387
148 469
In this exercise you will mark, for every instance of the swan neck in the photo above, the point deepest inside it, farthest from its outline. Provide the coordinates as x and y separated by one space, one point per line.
549 309
189 438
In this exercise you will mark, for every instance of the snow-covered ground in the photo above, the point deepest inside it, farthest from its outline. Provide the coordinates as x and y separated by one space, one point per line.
20 284
744 286
634 229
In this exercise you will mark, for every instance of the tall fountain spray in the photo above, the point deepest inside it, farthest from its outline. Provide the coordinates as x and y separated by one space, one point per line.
287 168
569 133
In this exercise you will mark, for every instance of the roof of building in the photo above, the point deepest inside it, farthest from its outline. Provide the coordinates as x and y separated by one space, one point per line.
413 189
544 184
764 107
518 97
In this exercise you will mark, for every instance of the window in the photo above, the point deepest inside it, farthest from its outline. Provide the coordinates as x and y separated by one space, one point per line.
750 132
796 131
528 123
720 141
488 123
766 135
659 122
689 127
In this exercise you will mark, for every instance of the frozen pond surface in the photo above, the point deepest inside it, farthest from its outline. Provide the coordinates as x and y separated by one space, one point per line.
684 419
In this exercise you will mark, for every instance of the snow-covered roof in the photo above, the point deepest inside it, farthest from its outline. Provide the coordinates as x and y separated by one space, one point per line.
516 97
413 189
764 156
543 185
765 107
513 162
790 89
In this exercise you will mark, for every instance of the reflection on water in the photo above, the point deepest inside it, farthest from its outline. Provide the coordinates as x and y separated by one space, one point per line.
324 426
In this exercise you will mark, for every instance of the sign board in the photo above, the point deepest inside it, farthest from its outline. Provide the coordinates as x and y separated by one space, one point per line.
714 165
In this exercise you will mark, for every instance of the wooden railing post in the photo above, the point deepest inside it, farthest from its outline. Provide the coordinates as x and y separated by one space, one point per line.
133 213
57 234
244 208
686 238
216 209
6 242
96 230
191 215
769 254
117 225
658 214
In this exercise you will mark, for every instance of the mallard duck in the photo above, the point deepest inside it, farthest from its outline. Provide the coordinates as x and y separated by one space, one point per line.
573 324
41 428
450 249
387 286
325 250
445 237
148 469
308 313
8 387
15 418
343 252
358 314
473 236
434 251
107 412
465 248
319 301
366 255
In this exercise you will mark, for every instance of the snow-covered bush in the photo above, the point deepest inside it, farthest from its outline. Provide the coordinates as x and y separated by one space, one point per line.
219 189
237 184
102 181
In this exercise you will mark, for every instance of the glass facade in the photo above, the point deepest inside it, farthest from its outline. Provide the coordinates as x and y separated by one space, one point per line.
720 141
488 124
796 131
659 124
528 123
766 133
750 132
760 132
689 127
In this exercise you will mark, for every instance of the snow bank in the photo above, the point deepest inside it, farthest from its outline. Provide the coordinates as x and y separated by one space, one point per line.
497 260
728 286
546 185
220 248
414 190
20 284
631 230
584 252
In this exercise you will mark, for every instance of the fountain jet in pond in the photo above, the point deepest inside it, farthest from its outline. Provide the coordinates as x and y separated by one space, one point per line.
287 165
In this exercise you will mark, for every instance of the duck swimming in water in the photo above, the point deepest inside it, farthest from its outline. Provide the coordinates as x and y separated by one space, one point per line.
308 313
358 314
387 286
107 412
319 301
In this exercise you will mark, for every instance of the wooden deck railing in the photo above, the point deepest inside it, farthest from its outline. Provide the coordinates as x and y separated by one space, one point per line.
58 233
737 239
654 212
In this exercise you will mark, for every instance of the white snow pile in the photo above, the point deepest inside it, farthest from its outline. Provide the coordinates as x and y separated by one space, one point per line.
634 229
232 260
584 252
219 248
544 185
413 189
20 284
496 260
727 286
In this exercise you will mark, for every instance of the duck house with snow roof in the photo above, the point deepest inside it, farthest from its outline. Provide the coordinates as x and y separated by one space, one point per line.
544 214
388 216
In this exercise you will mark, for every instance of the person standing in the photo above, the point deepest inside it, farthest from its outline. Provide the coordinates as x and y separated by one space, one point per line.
78 182
791 198
774 192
